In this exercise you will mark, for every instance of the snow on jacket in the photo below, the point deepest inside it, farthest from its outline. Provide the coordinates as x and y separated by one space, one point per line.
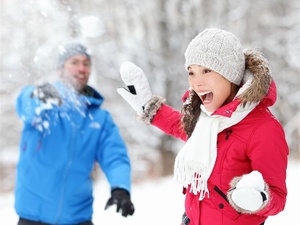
256 143
58 149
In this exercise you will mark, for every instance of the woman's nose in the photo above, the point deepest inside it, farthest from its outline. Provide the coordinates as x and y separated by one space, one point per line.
199 80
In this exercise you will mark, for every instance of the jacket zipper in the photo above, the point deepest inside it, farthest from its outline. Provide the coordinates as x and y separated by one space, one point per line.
228 133
66 173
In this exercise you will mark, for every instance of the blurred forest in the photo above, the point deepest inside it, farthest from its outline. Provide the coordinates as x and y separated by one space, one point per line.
154 35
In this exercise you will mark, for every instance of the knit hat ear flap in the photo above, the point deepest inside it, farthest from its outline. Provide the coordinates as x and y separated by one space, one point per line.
258 66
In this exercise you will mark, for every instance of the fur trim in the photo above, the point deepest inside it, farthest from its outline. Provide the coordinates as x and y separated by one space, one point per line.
258 65
233 184
150 109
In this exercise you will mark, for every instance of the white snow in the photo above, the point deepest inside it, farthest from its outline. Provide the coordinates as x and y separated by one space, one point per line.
160 202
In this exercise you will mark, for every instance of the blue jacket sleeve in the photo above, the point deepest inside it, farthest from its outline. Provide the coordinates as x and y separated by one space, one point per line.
113 156
26 105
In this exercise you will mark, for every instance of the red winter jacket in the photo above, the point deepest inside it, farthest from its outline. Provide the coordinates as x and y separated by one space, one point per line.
256 143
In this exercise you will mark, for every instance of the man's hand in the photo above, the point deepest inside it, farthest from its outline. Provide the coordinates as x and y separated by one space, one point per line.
47 93
121 198
138 92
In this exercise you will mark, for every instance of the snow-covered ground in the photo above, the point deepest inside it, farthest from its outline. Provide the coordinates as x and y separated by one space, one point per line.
159 201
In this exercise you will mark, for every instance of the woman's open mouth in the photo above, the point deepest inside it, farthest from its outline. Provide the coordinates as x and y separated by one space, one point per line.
206 97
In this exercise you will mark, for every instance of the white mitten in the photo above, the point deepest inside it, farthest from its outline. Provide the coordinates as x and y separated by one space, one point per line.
250 192
138 92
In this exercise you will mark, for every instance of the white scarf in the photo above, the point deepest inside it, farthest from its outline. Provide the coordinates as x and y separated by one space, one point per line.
195 161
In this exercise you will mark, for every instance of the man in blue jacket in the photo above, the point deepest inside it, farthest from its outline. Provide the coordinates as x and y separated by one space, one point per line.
65 132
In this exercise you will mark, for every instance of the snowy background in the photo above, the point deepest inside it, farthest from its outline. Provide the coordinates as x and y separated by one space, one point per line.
154 35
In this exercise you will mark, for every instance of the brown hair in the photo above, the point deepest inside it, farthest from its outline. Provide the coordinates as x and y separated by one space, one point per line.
190 112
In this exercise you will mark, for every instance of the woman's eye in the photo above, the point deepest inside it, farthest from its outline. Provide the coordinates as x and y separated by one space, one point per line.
206 71
191 73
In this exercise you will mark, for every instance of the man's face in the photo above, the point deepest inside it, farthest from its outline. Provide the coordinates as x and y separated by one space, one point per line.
76 71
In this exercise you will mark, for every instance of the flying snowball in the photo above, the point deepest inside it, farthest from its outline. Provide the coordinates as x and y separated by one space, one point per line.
91 26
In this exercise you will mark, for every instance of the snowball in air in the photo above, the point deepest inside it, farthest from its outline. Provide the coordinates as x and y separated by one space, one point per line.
91 26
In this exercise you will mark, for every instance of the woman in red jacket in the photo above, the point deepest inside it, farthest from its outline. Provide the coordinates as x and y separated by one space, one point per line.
233 164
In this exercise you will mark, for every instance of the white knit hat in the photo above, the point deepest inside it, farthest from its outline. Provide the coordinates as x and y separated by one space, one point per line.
218 50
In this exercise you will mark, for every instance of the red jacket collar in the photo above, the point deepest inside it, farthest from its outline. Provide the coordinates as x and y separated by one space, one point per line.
229 108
